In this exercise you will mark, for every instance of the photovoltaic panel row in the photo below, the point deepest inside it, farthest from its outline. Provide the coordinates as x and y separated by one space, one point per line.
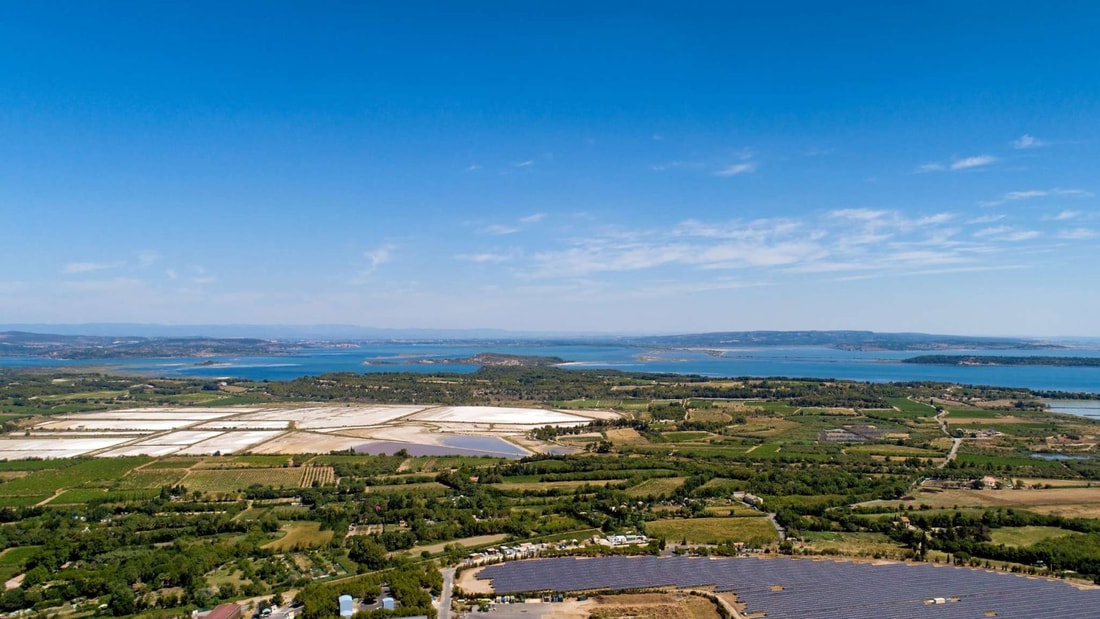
790 588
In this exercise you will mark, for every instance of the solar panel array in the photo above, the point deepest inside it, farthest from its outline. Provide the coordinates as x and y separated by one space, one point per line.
797 588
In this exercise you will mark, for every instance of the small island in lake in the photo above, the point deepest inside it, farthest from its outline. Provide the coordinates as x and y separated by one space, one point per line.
998 360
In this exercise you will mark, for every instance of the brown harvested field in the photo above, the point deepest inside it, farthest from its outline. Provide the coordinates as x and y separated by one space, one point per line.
766 426
466 542
1072 502
985 420
653 606
1055 483
714 530
854 544
709 415
673 605
625 436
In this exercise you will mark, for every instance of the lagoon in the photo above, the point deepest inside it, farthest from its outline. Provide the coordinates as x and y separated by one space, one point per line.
795 362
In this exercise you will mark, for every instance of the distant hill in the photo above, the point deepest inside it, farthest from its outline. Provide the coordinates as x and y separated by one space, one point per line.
997 360
55 346
844 340
18 343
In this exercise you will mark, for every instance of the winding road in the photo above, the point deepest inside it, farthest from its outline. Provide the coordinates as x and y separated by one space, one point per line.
955 442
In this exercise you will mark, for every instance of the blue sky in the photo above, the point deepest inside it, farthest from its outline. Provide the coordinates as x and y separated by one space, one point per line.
641 167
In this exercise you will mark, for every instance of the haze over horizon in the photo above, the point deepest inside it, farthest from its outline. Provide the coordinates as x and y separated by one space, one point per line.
553 167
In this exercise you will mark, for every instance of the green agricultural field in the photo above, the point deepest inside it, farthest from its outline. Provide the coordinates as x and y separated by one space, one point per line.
731 510
676 437
893 450
852 544
661 486
758 530
76 473
537 486
431 488
973 413
720 486
87 395
13 559
772 407
246 461
252 513
77 496
1021 537
301 535
23 500
238 479
150 479
172 462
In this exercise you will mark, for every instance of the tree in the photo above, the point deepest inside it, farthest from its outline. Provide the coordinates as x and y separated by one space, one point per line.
367 552
122 600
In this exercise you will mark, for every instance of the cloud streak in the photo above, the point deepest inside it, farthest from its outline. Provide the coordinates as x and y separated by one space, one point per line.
956 165
1027 141
737 169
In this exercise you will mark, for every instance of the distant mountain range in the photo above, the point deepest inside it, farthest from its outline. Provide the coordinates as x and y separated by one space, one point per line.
99 343
845 340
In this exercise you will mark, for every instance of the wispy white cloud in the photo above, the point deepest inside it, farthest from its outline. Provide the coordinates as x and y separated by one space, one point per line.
1026 141
986 219
500 229
1023 195
1006 233
933 166
378 256
473 167
1079 234
486 258
1065 216
966 163
973 162
737 169
938 218
116 284
1014 196
858 214
841 240
373 260
148 257
524 164
675 165
87 267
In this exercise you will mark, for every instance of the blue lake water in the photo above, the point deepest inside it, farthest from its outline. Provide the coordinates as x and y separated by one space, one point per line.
802 362
1084 408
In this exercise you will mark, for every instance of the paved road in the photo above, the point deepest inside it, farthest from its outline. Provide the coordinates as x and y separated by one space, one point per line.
445 595
955 442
